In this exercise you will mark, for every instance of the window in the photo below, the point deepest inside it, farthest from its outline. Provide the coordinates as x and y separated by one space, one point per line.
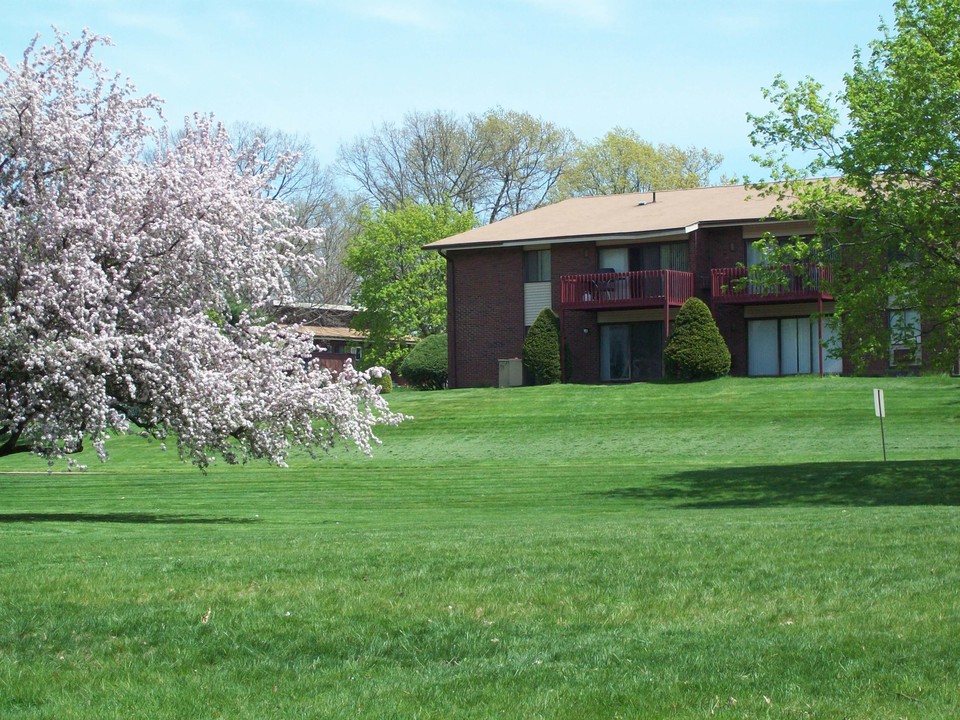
536 266
614 259
675 256
790 346
655 256
827 254
631 351
904 337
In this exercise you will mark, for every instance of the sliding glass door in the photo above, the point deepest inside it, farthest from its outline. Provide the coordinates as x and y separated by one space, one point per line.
631 351
788 346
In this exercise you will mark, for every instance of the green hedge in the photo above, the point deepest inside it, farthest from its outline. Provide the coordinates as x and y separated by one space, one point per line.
696 350
425 366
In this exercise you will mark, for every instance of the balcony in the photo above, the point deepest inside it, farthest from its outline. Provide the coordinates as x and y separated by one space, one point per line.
625 290
797 283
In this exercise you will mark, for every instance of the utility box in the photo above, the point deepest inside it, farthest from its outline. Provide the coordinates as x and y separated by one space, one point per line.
511 372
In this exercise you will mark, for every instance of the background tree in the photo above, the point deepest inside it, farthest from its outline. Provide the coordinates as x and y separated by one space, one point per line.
339 216
121 271
402 290
622 162
892 213
525 157
316 202
429 159
497 164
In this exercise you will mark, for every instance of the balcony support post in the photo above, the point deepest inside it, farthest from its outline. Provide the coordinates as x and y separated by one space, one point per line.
820 329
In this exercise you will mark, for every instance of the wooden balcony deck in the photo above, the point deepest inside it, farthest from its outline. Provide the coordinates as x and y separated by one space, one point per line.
800 283
626 290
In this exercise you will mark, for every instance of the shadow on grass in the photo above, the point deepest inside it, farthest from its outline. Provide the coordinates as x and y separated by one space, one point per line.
131 518
918 482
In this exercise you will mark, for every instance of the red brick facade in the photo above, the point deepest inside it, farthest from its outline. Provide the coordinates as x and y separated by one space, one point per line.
485 313
613 324
485 292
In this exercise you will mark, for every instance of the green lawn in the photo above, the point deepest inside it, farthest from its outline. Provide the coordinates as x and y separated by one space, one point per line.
730 549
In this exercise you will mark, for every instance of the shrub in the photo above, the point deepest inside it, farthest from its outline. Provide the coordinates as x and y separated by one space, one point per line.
696 350
425 366
384 382
541 348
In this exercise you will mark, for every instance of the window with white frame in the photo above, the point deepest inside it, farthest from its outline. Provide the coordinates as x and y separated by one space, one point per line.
904 337
537 289
536 266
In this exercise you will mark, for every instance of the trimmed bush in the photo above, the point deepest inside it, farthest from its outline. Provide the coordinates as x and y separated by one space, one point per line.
541 348
385 383
425 366
696 350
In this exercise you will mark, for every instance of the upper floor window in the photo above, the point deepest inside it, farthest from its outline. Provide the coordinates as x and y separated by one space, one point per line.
654 256
763 252
536 266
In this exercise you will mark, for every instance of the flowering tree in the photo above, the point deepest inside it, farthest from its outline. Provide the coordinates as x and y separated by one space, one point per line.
134 272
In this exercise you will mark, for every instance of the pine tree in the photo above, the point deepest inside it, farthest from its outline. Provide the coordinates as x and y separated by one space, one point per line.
541 348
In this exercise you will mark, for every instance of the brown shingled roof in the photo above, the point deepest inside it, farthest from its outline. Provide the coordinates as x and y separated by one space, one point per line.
634 214
332 333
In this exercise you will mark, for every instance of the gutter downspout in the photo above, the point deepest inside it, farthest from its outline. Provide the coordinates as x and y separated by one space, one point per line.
451 323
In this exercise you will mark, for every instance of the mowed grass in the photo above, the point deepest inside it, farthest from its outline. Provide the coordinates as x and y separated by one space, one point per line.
729 549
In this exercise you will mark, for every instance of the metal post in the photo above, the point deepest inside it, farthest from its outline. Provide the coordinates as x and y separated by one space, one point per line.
666 303
820 329
879 409
883 440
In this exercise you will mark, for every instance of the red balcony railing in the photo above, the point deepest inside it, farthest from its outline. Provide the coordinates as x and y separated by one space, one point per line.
787 284
643 289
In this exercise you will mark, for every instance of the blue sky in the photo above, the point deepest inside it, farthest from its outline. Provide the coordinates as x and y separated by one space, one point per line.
684 72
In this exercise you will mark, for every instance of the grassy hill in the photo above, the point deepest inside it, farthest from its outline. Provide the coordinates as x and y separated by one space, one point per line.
734 548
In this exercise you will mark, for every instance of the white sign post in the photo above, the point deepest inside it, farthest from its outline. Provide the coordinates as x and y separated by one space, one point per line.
881 412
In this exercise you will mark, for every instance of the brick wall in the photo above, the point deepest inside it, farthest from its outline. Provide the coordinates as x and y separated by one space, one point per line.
717 248
485 313
485 298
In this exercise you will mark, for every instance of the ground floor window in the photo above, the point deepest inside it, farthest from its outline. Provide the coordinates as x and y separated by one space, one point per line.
904 337
631 351
789 346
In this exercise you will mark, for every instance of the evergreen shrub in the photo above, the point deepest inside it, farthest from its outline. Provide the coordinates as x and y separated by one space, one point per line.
385 383
425 366
541 348
696 350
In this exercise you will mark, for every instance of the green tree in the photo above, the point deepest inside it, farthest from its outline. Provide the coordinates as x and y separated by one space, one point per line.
891 135
622 162
541 348
696 349
402 289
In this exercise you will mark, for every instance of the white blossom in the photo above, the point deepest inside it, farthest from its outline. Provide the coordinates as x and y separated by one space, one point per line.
134 275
